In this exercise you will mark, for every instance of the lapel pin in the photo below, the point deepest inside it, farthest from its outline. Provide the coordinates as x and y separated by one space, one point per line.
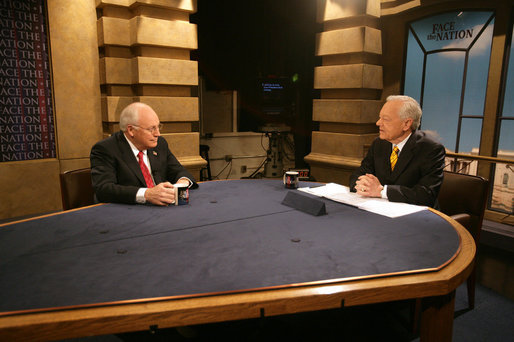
154 153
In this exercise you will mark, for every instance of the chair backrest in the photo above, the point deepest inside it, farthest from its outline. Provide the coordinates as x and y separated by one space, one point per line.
465 194
76 188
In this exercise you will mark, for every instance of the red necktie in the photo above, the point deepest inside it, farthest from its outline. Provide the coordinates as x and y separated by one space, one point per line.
144 169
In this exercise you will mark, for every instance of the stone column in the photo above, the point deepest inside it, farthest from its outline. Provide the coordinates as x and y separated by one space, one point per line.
350 81
145 56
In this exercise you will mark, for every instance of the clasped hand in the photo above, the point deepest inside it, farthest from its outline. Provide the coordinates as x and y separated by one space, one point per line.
368 185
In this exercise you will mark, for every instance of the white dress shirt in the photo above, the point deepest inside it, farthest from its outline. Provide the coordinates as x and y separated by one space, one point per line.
400 145
140 195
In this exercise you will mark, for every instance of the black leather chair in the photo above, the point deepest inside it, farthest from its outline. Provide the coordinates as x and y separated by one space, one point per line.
76 188
463 198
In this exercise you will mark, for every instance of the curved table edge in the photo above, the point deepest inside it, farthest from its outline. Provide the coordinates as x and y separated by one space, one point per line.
190 311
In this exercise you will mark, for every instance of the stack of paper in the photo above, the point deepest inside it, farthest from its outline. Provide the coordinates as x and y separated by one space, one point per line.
342 194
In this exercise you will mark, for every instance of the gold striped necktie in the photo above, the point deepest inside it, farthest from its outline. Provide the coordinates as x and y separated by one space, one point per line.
394 157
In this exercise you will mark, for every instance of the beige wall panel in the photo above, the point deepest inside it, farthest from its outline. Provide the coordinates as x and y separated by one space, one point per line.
373 40
340 144
341 9
330 174
160 13
117 70
193 164
372 76
330 168
101 71
173 108
350 58
112 107
123 3
163 90
351 93
74 164
100 32
348 76
117 12
219 113
164 71
395 7
348 111
352 22
113 31
183 144
119 90
350 40
161 52
340 162
351 128
150 31
373 7
111 128
76 91
176 127
168 127
117 51
183 5
29 187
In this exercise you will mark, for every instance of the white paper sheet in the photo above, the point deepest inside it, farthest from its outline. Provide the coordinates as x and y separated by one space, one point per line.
342 194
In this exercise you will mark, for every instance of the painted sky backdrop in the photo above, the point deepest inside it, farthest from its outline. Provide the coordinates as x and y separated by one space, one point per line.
439 45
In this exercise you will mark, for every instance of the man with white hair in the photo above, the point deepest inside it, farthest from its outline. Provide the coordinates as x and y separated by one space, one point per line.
135 164
403 164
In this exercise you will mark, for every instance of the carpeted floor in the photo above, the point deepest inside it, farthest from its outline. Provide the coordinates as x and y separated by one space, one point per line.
491 320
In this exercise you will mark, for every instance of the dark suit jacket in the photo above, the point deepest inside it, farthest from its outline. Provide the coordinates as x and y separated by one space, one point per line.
116 174
418 173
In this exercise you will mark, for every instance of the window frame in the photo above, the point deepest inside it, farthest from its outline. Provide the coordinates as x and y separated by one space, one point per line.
494 92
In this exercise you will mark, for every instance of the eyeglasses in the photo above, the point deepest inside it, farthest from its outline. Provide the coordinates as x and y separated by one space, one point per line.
151 129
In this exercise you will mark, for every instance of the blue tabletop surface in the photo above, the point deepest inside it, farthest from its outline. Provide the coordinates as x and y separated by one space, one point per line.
233 236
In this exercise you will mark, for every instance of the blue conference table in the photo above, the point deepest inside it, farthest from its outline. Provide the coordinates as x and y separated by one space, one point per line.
234 252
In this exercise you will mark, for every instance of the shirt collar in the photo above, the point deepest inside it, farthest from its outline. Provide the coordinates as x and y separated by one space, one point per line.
402 143
133 147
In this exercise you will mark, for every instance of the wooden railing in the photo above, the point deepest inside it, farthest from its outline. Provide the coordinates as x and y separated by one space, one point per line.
481 158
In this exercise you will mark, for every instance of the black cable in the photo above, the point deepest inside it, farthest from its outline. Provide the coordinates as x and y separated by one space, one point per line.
264 148
229 170
229 163
257 170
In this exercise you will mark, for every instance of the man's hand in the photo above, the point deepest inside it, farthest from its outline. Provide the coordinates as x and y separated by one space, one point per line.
161 194
368 185
183 181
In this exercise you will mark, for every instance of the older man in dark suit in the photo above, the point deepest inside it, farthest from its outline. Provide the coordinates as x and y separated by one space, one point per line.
403 164
135 164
